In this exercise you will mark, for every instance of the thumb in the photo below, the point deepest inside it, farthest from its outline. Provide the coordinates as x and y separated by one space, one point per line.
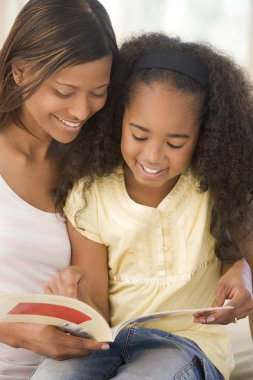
219 298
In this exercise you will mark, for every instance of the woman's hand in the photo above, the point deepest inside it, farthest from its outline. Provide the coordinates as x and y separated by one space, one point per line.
47 340
235 287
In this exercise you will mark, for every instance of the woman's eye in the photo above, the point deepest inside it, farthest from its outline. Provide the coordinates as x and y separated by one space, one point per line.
139 138
61 95
174 146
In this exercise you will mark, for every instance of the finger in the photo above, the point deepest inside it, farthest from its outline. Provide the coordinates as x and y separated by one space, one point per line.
217 317
220 297
66 346
47 289
63 283
242 305
242 300
83 347
92 345
70 278
53 287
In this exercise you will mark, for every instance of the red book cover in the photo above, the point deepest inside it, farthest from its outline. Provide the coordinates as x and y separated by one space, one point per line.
50 310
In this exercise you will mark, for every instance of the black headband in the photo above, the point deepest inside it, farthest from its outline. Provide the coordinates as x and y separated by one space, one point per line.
173 60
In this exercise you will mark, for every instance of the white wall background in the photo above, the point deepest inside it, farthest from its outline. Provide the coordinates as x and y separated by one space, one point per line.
227 24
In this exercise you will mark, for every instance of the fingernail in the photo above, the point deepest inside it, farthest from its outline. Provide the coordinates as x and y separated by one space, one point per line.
210 319
105 346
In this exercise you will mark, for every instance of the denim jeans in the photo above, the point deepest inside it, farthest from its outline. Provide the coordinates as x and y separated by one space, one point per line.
137 353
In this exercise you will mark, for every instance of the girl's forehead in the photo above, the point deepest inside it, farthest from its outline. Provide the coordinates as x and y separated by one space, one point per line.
158 91
158 101
162 89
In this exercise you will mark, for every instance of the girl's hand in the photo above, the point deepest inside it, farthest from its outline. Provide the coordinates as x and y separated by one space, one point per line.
47 340
71 282
235 285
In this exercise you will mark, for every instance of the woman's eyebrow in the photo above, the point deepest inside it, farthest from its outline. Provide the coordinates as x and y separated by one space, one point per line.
66 84
75 87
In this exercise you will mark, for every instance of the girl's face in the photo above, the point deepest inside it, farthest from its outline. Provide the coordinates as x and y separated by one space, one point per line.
66 100
159 134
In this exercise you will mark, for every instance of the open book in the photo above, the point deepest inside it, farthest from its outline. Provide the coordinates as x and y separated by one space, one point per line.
73 316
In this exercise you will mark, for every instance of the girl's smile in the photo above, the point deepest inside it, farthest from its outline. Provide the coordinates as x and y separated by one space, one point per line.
158 146
150 173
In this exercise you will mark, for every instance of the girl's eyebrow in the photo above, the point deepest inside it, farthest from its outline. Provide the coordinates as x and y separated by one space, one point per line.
173 135
178 135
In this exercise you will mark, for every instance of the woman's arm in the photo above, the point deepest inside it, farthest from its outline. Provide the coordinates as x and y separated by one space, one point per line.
50 341
87 280
47 340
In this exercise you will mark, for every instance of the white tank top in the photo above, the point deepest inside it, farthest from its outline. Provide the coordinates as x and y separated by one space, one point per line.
34 245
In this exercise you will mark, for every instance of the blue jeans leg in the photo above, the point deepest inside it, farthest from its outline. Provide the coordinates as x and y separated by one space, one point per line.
100 365
154 354
137 353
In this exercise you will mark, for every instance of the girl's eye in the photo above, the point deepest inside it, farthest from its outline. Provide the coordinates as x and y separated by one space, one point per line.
174 146
139 138
94 95
61 95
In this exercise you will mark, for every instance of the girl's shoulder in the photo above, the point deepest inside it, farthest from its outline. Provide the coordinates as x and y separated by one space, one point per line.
188 182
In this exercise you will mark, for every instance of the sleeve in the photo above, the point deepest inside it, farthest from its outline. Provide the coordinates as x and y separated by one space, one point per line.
83 213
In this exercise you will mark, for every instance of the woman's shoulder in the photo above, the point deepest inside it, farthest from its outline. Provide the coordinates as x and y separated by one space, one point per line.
5 152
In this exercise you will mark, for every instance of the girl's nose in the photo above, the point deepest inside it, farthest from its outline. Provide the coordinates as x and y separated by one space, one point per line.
154 153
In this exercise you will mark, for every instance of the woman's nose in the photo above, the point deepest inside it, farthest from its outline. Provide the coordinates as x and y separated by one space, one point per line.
80 109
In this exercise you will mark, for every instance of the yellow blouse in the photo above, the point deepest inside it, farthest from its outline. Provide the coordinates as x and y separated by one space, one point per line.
159 258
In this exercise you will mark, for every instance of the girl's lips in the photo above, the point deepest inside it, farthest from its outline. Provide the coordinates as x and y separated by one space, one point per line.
150 173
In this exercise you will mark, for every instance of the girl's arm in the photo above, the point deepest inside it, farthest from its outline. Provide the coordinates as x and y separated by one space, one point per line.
235 285
249 258
87 277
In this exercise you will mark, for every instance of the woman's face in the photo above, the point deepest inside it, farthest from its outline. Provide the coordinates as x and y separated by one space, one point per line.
66 100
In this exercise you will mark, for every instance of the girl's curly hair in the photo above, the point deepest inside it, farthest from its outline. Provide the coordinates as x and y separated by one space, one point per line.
223 159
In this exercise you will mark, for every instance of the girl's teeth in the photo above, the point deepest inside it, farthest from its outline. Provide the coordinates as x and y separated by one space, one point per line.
69 123
151 171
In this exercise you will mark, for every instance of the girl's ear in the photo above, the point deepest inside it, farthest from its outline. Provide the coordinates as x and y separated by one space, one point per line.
18 72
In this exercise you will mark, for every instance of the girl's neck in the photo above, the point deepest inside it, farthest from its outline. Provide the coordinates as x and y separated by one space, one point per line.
145 195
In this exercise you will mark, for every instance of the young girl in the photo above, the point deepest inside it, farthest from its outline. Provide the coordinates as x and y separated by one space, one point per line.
161 207
54 72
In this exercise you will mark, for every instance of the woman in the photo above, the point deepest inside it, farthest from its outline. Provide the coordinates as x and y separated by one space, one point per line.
54 72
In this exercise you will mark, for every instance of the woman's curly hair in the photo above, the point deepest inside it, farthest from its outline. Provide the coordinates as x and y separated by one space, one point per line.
223 159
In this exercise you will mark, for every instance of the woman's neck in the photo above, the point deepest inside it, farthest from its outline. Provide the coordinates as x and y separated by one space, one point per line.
26 144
